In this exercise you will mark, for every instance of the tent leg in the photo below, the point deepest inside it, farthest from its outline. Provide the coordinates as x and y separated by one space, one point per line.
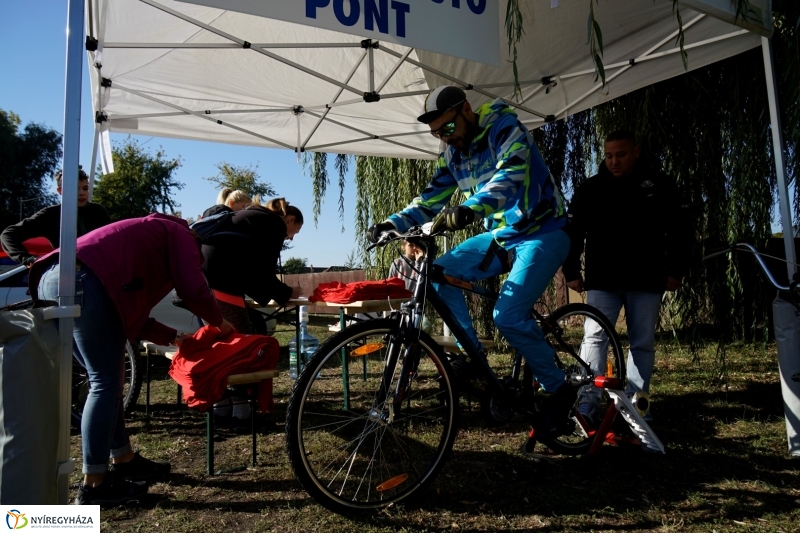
69 221
787 319
94 162
777 147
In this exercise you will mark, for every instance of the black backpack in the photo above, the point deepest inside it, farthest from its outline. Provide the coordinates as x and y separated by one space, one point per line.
214 226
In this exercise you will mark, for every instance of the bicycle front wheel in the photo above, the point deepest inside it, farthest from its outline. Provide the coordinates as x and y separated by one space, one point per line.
565 332
377 429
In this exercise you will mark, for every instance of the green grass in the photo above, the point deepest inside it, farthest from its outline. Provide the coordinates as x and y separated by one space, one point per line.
726 466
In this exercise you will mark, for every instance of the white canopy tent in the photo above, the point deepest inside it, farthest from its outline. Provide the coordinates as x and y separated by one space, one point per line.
173 69
178 69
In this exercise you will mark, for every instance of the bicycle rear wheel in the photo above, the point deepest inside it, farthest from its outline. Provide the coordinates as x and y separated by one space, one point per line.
130 389
357 448
565 334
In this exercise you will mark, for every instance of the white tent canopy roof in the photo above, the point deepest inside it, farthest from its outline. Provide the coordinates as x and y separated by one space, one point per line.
183 70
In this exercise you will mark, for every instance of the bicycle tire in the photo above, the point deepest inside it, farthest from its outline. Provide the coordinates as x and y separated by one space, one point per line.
371 454
134 378
570 320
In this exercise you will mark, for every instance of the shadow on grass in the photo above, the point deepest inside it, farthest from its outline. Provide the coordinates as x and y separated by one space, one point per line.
726 460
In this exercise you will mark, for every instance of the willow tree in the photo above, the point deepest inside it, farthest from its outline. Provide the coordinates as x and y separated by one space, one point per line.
708 129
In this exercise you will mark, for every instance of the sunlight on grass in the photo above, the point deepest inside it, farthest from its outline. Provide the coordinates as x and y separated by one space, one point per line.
726 464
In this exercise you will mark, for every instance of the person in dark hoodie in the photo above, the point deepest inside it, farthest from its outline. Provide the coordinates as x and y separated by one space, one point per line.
244 260
228 201
636 232
47 223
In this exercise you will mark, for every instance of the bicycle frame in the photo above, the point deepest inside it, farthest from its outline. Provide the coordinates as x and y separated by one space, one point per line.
414 309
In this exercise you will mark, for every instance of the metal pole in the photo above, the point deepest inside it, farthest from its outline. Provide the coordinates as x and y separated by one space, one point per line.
786 323
69 220
780 167
446 330
94 161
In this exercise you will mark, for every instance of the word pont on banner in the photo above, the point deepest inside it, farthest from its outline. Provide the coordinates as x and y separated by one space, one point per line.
375 13
463 28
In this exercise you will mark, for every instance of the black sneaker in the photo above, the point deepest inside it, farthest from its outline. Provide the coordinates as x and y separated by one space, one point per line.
110 492
464 369
460 368
552 418
140 469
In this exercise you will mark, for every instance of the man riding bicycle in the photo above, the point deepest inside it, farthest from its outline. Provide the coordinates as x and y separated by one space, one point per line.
492 158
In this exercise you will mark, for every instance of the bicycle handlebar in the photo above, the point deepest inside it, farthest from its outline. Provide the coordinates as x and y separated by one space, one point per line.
743 246
414 232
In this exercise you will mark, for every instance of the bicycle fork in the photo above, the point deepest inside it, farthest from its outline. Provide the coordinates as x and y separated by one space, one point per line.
390 397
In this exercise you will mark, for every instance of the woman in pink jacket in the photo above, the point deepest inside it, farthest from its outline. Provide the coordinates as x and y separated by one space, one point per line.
123 270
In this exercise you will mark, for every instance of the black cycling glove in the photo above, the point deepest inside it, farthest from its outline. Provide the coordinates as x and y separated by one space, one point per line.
454 218
374 232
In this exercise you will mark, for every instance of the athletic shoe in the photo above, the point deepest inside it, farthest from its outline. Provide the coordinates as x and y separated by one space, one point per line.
554 412
140 469
111 491
465 369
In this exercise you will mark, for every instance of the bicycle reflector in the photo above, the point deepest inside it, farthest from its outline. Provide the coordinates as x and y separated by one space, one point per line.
367 349
605 382
391 483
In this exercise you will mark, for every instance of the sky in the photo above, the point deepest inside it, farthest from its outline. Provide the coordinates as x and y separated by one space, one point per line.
33 59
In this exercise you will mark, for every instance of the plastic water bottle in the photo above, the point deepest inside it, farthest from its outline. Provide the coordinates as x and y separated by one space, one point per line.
293 358
308 342
308 346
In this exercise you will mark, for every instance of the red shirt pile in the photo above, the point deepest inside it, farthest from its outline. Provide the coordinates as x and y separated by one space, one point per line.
204 362
345 293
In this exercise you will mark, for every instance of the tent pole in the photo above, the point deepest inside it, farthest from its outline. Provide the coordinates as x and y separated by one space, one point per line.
69 219
333 100
94 162
784 314
777 148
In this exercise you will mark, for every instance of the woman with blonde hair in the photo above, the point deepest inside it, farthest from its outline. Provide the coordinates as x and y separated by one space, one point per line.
258 231
228 200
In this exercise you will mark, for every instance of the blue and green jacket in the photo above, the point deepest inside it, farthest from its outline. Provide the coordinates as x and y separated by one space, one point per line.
503 176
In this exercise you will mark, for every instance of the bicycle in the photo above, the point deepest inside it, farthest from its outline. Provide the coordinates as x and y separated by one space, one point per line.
374 413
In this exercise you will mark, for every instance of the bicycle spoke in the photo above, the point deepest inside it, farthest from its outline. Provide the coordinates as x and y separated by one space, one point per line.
379 449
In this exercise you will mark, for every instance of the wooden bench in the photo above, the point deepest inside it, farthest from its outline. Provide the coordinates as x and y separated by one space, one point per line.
449 343
250 378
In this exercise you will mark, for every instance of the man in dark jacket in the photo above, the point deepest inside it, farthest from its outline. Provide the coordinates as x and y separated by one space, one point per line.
47 223
635 232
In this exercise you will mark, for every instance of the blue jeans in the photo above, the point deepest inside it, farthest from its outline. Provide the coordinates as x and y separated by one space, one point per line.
99 347
641 317
536 262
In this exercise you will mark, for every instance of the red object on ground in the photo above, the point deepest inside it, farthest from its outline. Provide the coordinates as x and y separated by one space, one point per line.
203 363
345 293
36 246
